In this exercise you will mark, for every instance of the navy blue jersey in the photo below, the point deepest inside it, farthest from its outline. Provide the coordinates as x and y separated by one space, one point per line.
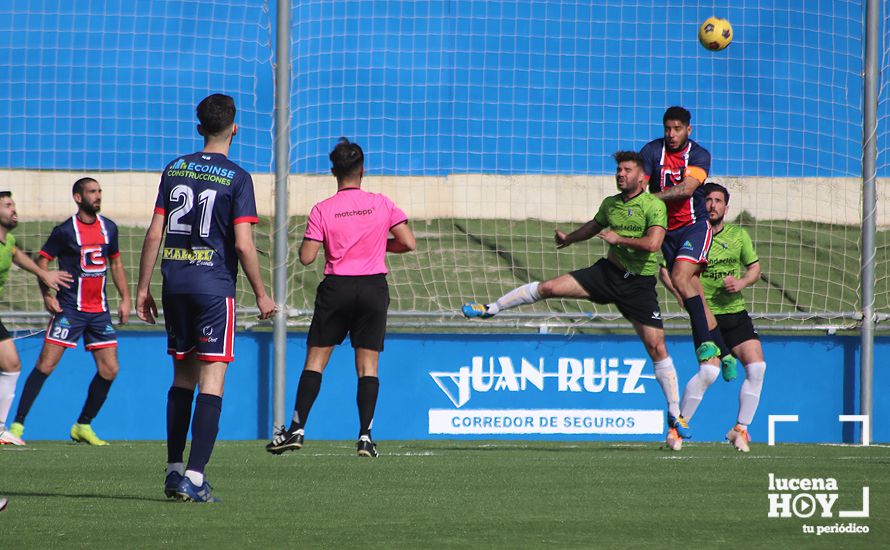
665 169
202 197
83 250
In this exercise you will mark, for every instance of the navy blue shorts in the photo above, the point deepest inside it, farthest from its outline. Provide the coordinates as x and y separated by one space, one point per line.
688 244
65 329
202 323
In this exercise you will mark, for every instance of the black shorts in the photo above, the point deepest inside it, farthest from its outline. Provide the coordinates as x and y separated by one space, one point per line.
355 305
4 334
736 328
634 295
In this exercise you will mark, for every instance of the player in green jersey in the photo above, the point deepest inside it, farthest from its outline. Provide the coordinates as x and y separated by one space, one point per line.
625 277
732 265
10 366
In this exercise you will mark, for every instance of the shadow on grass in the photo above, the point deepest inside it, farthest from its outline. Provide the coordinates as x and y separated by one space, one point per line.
9 494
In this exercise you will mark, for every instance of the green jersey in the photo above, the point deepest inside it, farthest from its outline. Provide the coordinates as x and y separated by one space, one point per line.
633 219
730 250
6 250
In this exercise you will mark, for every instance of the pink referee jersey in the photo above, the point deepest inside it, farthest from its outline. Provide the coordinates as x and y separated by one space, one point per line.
354 226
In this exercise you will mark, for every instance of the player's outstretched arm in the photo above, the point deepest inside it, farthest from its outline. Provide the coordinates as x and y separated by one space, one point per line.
586 231
751 276
146 309
403 239
650 242
119 276
250 262
49 279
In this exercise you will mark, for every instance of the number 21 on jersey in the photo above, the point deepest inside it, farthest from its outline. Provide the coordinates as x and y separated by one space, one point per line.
184 196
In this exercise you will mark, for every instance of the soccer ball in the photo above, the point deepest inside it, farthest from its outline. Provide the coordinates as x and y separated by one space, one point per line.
715 33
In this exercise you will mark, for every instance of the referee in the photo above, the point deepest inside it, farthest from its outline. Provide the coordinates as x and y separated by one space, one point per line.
354 226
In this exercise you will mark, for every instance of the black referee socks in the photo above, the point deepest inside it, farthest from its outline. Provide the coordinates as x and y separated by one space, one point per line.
368 387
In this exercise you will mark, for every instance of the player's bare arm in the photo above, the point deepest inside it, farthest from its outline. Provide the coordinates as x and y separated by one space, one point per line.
146 308
51 279
650 242
402 240
682 190
751 276
50 302
586 231
309 251
119 276
250 262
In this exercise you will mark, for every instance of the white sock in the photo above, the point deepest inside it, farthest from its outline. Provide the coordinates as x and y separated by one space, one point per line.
525 294
749 395
696 388
8 381
195 477
666 375
177 467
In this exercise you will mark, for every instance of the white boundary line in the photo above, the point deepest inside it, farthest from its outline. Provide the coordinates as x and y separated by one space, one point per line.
864 419
773 418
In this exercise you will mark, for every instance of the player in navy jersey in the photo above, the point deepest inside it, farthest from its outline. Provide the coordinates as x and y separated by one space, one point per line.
205 211
85 245
676 168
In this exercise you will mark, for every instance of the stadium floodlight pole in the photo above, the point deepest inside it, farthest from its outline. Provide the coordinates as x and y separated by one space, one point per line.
282 168
869 207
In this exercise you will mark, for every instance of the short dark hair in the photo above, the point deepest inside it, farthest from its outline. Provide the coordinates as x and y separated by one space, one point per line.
628 156
5 194
677 113
712 187
346 158
77 188
216 113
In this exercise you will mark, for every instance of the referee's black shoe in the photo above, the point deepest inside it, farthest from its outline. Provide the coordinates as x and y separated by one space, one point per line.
285 440
366 447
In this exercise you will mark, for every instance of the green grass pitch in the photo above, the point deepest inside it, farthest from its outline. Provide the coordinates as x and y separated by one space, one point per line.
434 494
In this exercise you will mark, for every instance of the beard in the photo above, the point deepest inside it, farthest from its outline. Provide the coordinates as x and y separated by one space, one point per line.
90 209
716 221
9 224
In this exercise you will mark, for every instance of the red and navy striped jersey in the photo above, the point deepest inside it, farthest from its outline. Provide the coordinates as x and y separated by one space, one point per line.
83 250
202 197
664 169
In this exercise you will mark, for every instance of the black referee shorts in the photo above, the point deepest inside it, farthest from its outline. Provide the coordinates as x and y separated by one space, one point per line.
634 295
354 305
736 328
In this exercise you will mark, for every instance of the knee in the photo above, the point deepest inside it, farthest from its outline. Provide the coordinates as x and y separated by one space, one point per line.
45 367
708 373
755 371
366 370
546 289
108 371
657 351
11 366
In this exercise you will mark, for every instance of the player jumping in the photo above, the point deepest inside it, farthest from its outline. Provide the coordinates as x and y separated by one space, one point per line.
723 282
625 277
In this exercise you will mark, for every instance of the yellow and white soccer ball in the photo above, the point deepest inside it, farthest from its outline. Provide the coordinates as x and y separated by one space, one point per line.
715 33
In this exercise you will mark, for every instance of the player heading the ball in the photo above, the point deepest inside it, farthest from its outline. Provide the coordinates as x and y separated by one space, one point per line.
625 277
